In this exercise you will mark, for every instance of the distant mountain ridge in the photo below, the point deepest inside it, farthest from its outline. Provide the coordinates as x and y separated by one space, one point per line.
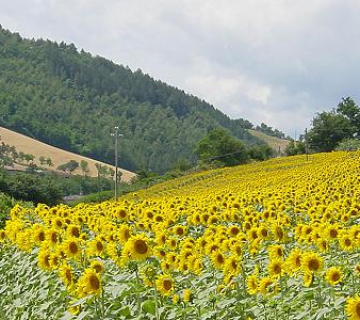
73 100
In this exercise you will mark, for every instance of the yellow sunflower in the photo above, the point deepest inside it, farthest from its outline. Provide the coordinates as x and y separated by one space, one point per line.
322 244
54 260
52 236
165 285
276 251
73 230
98 266
293 261
346 242
71 247
232 265
180 230
121 214
353 308
278 232
233 231
175 298
267 285
137 247
96 247
218 259
66 275
252 284
38 235
89 283
333 276
307 279
311 262
2 236
276 268
124 233
44 259
263 232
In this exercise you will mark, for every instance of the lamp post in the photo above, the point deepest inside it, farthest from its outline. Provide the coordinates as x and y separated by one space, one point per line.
116 134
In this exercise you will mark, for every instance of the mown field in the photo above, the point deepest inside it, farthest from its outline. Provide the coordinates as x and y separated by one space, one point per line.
273 240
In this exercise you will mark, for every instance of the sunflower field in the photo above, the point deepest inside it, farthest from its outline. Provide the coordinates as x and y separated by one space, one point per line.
273 240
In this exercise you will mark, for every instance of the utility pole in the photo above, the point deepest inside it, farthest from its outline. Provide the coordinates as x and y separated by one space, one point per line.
116 134
306 145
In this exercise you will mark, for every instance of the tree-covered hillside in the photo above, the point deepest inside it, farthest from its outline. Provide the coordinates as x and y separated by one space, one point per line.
73 100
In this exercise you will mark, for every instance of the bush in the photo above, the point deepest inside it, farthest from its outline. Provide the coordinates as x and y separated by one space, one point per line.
349 145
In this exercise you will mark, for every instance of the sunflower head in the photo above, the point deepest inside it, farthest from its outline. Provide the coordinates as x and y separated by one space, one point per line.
276 268
311 262
353 308
97 266
333 276
137 247
252 284
89 283
218 259
66 275
72 248
165 284
267 285
73 230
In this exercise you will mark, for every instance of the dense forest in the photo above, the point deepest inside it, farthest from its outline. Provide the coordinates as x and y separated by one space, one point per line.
71 99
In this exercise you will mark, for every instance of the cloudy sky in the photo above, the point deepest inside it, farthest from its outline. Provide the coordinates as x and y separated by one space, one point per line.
272 61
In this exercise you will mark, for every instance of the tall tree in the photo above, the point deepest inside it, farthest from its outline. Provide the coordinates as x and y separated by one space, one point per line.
328 129
349 109
84 165
219 145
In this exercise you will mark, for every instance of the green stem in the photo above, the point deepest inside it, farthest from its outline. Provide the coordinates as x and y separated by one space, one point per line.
102 303
137 293
156 305
96 308
265 316
243 277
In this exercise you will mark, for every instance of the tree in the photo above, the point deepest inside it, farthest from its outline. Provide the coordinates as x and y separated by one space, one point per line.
29 157
69 167
182 165
49 162
329 128
84 165
349 145
295 147
349 109
218 145
261 153
42 160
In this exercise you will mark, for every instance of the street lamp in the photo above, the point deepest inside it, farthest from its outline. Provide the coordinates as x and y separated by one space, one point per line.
116 134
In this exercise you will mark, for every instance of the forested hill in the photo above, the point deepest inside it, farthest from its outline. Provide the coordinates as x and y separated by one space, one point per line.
73 100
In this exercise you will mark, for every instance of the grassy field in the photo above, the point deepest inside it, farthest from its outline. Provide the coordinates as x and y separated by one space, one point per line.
273 142
58 156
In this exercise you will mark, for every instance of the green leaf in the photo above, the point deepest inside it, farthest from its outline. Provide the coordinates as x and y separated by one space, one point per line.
125 312
149 306
225 303
80 301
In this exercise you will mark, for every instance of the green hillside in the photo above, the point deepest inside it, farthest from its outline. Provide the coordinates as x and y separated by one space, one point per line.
72 100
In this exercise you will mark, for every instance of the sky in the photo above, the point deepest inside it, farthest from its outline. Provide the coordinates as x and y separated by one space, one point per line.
273 61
